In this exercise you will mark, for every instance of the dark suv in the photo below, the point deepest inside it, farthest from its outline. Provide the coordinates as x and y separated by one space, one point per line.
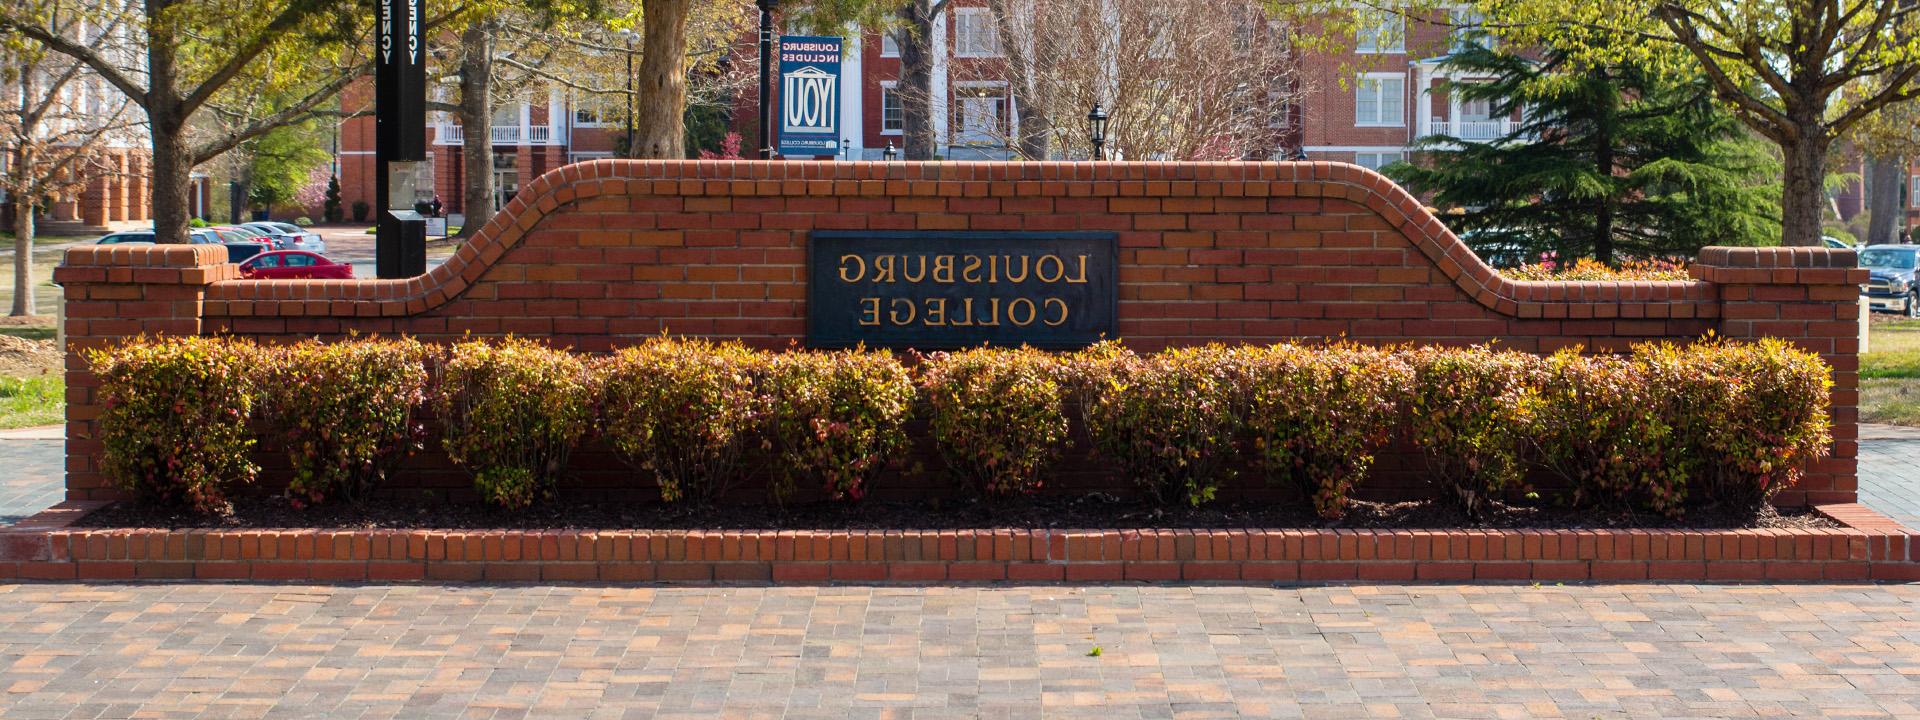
1891 286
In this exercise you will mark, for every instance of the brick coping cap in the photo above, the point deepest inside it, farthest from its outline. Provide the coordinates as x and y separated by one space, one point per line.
688 178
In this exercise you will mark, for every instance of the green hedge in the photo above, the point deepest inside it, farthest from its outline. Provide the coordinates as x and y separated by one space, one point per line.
1666 428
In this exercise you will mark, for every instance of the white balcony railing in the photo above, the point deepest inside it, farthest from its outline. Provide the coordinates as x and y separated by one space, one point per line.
1471 129
502 135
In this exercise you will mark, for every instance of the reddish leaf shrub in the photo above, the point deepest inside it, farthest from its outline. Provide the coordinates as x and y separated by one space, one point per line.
1600 424
684 411
1169 419
1316 415
999 416
1747 416
1467 412
512 412
345 412
837 419
174 418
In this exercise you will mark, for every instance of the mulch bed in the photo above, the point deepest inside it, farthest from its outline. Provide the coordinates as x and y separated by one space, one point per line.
1090 511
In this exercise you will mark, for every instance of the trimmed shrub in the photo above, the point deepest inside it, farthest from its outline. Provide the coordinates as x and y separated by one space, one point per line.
684 411
837 419
345 412
513 410
174 418
999 416
1747 416
1169 420
1467 411
1598 423
1316 415
303 221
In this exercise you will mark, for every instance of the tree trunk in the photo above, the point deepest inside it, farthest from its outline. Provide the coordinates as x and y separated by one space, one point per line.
22 255
1603 162
172 159
916 80
476 121
1884 178
1804 194
1022 50
661 127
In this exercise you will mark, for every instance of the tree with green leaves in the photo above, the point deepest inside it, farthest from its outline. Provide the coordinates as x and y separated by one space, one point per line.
1609 160
1801 73
198 68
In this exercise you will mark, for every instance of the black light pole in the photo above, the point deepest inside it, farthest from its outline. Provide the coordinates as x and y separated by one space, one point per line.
1097 129
766 77
891 153
846 147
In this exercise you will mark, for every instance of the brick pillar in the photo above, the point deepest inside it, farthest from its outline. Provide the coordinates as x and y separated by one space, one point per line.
138 197
116 292
1810 296
117 189
94 200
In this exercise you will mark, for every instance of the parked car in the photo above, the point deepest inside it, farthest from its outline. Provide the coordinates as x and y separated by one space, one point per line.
196 236
1834 243
294 237
1890 283
294 265
241 252
236 233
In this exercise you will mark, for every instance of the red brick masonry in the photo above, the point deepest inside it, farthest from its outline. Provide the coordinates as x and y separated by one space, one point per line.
1872 548
601 254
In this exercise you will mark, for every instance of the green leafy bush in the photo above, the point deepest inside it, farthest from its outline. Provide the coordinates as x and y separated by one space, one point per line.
513 410
1169 419
346 412
303 221
837 418
1316 415
999 416
1598 423
1467 411
684 411
174 418
196 222
1747 416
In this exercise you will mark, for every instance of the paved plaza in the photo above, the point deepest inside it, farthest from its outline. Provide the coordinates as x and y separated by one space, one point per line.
1513 651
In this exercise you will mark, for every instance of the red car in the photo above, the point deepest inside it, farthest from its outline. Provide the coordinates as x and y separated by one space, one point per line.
294 265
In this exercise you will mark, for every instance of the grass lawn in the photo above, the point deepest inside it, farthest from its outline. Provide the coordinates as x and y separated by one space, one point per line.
1890 374
32 401
46 255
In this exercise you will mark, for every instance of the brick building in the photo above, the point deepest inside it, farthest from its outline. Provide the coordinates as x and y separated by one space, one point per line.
1364 106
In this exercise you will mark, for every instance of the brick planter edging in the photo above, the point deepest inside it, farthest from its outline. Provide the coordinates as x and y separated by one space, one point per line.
1871 547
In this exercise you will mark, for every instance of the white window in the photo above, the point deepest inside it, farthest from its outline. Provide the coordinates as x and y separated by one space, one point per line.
974 34
1380 101
892 114
1468 25
593 111
889 45
1377 160
979 116
1379 31
1913 193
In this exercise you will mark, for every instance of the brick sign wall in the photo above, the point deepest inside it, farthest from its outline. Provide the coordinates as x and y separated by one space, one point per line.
603 254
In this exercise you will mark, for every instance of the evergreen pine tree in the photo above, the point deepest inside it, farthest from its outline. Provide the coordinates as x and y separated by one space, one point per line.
332 210
1607 162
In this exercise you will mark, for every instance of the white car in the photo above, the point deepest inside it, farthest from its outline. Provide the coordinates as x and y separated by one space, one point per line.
297 238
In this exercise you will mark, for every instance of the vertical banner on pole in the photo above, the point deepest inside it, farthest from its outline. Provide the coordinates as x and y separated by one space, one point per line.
400 139
809 96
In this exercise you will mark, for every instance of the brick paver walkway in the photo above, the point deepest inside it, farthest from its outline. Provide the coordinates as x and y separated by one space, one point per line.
31 476
1890 471
1649 651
